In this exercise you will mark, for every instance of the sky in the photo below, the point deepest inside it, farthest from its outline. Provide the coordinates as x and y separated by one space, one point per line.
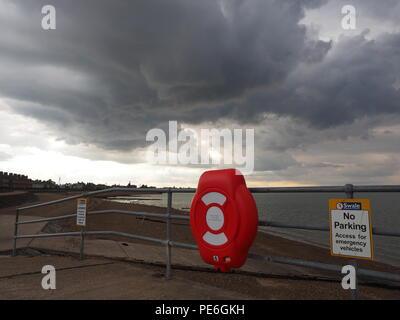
77 102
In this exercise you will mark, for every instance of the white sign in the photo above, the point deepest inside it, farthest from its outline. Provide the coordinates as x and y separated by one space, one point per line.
350 226
81 212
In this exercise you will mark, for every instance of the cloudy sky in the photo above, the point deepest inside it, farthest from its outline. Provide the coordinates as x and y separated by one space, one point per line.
76 102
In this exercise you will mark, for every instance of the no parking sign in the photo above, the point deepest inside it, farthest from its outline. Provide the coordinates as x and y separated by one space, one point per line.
81 212
351 229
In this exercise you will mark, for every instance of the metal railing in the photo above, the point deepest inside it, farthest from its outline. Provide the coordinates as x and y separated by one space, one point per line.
348 189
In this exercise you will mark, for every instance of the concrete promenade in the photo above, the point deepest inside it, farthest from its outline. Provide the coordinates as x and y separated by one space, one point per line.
124 270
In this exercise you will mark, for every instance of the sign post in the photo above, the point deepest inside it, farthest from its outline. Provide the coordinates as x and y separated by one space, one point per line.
351 230
81 220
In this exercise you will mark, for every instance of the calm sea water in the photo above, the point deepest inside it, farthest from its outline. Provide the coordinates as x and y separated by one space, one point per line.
308 208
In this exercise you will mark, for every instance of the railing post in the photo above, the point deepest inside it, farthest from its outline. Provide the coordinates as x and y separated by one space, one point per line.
354 292
82 253
83 228
14 253
350 195
348 189
168 245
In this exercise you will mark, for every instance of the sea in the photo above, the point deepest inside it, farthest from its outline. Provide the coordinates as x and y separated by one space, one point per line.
306 208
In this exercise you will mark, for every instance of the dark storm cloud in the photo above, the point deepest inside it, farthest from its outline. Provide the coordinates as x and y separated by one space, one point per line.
115 69
354 81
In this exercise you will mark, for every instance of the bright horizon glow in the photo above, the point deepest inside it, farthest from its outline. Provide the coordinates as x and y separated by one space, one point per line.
46 157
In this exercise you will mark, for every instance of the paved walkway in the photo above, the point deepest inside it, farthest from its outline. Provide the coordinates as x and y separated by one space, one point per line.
20 278
101 278
108 273
156 254
127 251
7 223
122 250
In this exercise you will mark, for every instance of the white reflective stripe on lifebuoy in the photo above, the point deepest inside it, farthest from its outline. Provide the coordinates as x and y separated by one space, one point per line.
215 239
214 197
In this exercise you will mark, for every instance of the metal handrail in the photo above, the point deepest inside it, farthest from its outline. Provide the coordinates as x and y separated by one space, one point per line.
275 224
327 267
98 192
134 213
347 189
328 189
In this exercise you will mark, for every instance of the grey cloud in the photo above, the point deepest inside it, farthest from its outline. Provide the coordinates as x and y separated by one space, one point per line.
113 70
361 172
273 161
354 81
5 156
315 51
322 165
361 153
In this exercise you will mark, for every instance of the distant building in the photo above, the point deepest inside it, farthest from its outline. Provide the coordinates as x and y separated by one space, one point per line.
43 185
13 181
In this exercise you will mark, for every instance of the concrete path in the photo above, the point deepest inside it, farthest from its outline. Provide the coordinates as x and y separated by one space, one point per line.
100 278
107 272
20 278
156 254
7 231
122 250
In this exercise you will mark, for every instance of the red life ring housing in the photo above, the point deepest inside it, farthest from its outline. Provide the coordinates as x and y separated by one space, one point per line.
223 218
